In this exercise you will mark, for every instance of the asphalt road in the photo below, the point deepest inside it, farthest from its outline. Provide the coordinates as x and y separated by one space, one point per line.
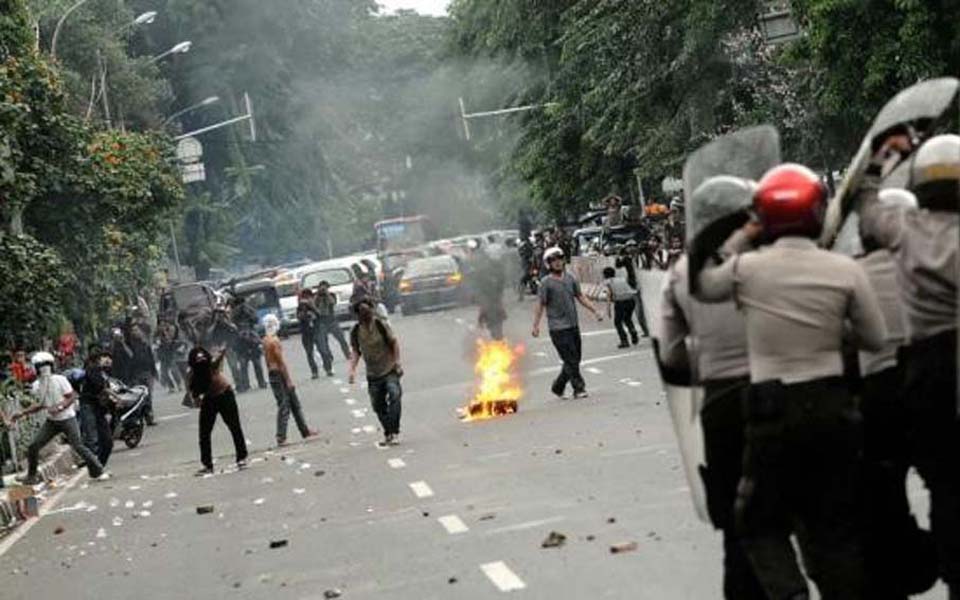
459 510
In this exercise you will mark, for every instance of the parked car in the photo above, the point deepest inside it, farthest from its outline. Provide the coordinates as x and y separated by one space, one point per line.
261 295
189 306
431 282
339 275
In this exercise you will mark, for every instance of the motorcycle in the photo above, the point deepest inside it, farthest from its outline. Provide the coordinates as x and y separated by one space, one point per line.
127 420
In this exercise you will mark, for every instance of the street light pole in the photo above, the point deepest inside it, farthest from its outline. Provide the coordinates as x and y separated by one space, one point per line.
181 48
63 19
205 102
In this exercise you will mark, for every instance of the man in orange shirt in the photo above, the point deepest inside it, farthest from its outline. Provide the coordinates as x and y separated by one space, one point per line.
282 384
20 369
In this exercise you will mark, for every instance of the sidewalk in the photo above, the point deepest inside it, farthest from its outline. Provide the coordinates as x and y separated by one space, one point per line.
21 502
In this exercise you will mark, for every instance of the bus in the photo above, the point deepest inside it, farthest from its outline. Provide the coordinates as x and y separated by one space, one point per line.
403 233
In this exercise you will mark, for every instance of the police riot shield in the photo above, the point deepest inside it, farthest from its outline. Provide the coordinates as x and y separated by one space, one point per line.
919 111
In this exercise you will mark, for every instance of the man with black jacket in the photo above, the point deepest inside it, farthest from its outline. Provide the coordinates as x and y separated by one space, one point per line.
143 368
95 404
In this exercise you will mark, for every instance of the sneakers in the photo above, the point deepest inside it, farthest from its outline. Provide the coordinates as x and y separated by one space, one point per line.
624 344
557 393
242 464
315 376
312 433
329 372
635 339
281 443
581 394
204 471
393 439
102 477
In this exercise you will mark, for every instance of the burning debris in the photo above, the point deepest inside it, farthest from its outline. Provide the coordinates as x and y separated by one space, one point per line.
498 389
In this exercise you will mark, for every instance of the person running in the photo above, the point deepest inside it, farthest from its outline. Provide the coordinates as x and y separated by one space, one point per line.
210 389
559 293
622 298
374 341
55 395
96 403
282 384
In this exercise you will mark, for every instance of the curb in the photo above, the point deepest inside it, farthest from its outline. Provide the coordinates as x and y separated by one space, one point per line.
20 502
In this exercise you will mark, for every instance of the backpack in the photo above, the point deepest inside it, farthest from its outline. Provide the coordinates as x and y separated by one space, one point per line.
355 334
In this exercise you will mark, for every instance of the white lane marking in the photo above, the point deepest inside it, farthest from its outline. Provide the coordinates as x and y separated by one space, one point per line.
369 429
396 463
592 361
355 430
526 525
350 401
337 381
344 390
453 524
358 413
421 489
174 416
634 383
502 577
593 370
47 506
459 321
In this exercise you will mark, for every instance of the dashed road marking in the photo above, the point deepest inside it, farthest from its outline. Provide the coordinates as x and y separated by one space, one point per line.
453 524
358 413
502 577
526 525
598 332
396 463
368 429
350 401
593 370
344 390
174 416
421 489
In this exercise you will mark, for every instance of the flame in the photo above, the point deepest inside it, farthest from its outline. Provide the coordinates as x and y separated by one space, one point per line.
498 388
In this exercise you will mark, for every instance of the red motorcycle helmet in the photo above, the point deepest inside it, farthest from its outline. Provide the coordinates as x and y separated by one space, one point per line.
790 200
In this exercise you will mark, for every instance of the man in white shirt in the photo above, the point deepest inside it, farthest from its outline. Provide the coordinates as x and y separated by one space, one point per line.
55 395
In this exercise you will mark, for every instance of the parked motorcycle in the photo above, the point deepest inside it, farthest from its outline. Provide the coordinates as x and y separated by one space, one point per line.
128 420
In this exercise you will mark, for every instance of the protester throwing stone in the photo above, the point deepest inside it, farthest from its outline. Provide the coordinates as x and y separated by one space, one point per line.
215 396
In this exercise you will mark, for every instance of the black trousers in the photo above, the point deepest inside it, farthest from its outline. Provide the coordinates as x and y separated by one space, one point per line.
224 405
146 380
800 463
623 319
386 395
930 391
641 317
327 327
723 436
96 431
568 345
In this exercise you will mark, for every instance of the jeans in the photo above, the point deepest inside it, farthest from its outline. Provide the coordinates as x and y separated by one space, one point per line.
623 319
96 431
568 345
933 427
310 340
71 429
641 316
385 394
169 373
723 441
327 327
799 476
224 405
287 402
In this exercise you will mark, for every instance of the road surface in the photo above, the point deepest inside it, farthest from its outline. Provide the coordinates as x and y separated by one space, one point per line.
459 510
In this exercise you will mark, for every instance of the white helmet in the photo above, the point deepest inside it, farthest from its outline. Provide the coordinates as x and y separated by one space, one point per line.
40 359
935 173
551 252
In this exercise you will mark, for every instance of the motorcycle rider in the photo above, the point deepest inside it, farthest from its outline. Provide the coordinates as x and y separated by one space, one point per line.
923 242
802 424
718 349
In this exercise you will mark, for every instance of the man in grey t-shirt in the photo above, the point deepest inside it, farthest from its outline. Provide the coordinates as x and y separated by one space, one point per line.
559 293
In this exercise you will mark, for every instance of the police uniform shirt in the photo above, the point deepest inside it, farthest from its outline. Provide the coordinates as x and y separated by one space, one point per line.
882 273
924 245
796 299
716 333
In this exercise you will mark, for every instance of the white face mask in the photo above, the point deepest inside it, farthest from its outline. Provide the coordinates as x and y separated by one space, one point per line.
46 371
271 327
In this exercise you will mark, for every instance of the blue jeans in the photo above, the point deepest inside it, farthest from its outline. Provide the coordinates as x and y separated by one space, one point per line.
95 431
385 393
287 402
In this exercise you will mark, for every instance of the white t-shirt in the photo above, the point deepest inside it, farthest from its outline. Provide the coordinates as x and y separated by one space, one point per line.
51 392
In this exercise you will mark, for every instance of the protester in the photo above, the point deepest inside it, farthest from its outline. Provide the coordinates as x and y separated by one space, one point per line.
307 317
212 392
56 396
800 462
628 261
327 325
284 391
374 342
923 242
169 352
559 293
487 280
20 369
96 404
245 345
142 369
622 298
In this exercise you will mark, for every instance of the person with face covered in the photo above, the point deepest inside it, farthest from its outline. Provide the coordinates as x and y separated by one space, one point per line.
373 340
54 395
96 403
559 293
284 392
210 389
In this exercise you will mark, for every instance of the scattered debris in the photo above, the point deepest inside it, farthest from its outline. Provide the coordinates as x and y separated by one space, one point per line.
278 544
452 580
129 504
488 517
147 504
259 501
334 593
558 451
169 495
611 520
58 530
298 491
205 509
590 538
114 502
623 547
305 465
144 513
117 521
425 513
236 585
133 488
319 473
266 578
554 540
